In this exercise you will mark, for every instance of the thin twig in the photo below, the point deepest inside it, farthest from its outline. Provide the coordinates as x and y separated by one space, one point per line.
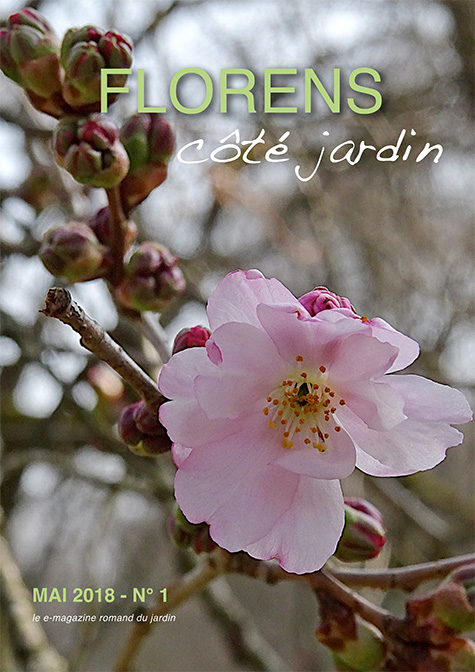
381 618
155 333
178 592
402 578
94 338
34 643
247 643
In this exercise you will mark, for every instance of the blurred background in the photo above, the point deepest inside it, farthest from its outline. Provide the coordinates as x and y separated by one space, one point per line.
396 238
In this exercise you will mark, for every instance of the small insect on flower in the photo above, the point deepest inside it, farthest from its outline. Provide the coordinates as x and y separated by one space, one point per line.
281 403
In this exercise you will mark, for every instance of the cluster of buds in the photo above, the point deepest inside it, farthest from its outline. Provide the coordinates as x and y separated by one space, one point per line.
150 143
189 535
84 53
140 429
152 279
74 253
363 535
60 80
90 150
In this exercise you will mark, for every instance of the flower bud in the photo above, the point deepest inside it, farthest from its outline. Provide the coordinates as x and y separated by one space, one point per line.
457 655
188 535
365 652
150 143
356 643
194 337
73 252
146 421
152 280
446 610
363 535
141 431
101 224
29 53
321 298
84 52
128 430
90 150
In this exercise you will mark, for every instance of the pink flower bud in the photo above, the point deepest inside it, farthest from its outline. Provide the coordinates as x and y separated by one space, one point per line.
363 535
152 280
101 224
84 53
90 150
321 298
73 252
194 337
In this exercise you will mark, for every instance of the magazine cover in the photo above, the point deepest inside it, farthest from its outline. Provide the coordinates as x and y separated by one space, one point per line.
237 350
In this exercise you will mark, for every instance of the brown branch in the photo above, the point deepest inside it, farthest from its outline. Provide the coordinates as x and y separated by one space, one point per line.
381 618
402 578
94 338
34 643
119 223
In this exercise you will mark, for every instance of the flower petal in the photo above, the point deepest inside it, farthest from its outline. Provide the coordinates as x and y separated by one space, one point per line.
408 349
376 402
337 462
230 485
177 375
236 297
360 356
180 453
245 347
315 339
426 400
230 395
307 534
410 447
187 423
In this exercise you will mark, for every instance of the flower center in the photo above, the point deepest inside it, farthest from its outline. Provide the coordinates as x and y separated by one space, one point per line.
303 404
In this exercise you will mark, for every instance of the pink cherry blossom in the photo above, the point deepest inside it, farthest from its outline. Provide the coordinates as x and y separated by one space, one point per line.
280 405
